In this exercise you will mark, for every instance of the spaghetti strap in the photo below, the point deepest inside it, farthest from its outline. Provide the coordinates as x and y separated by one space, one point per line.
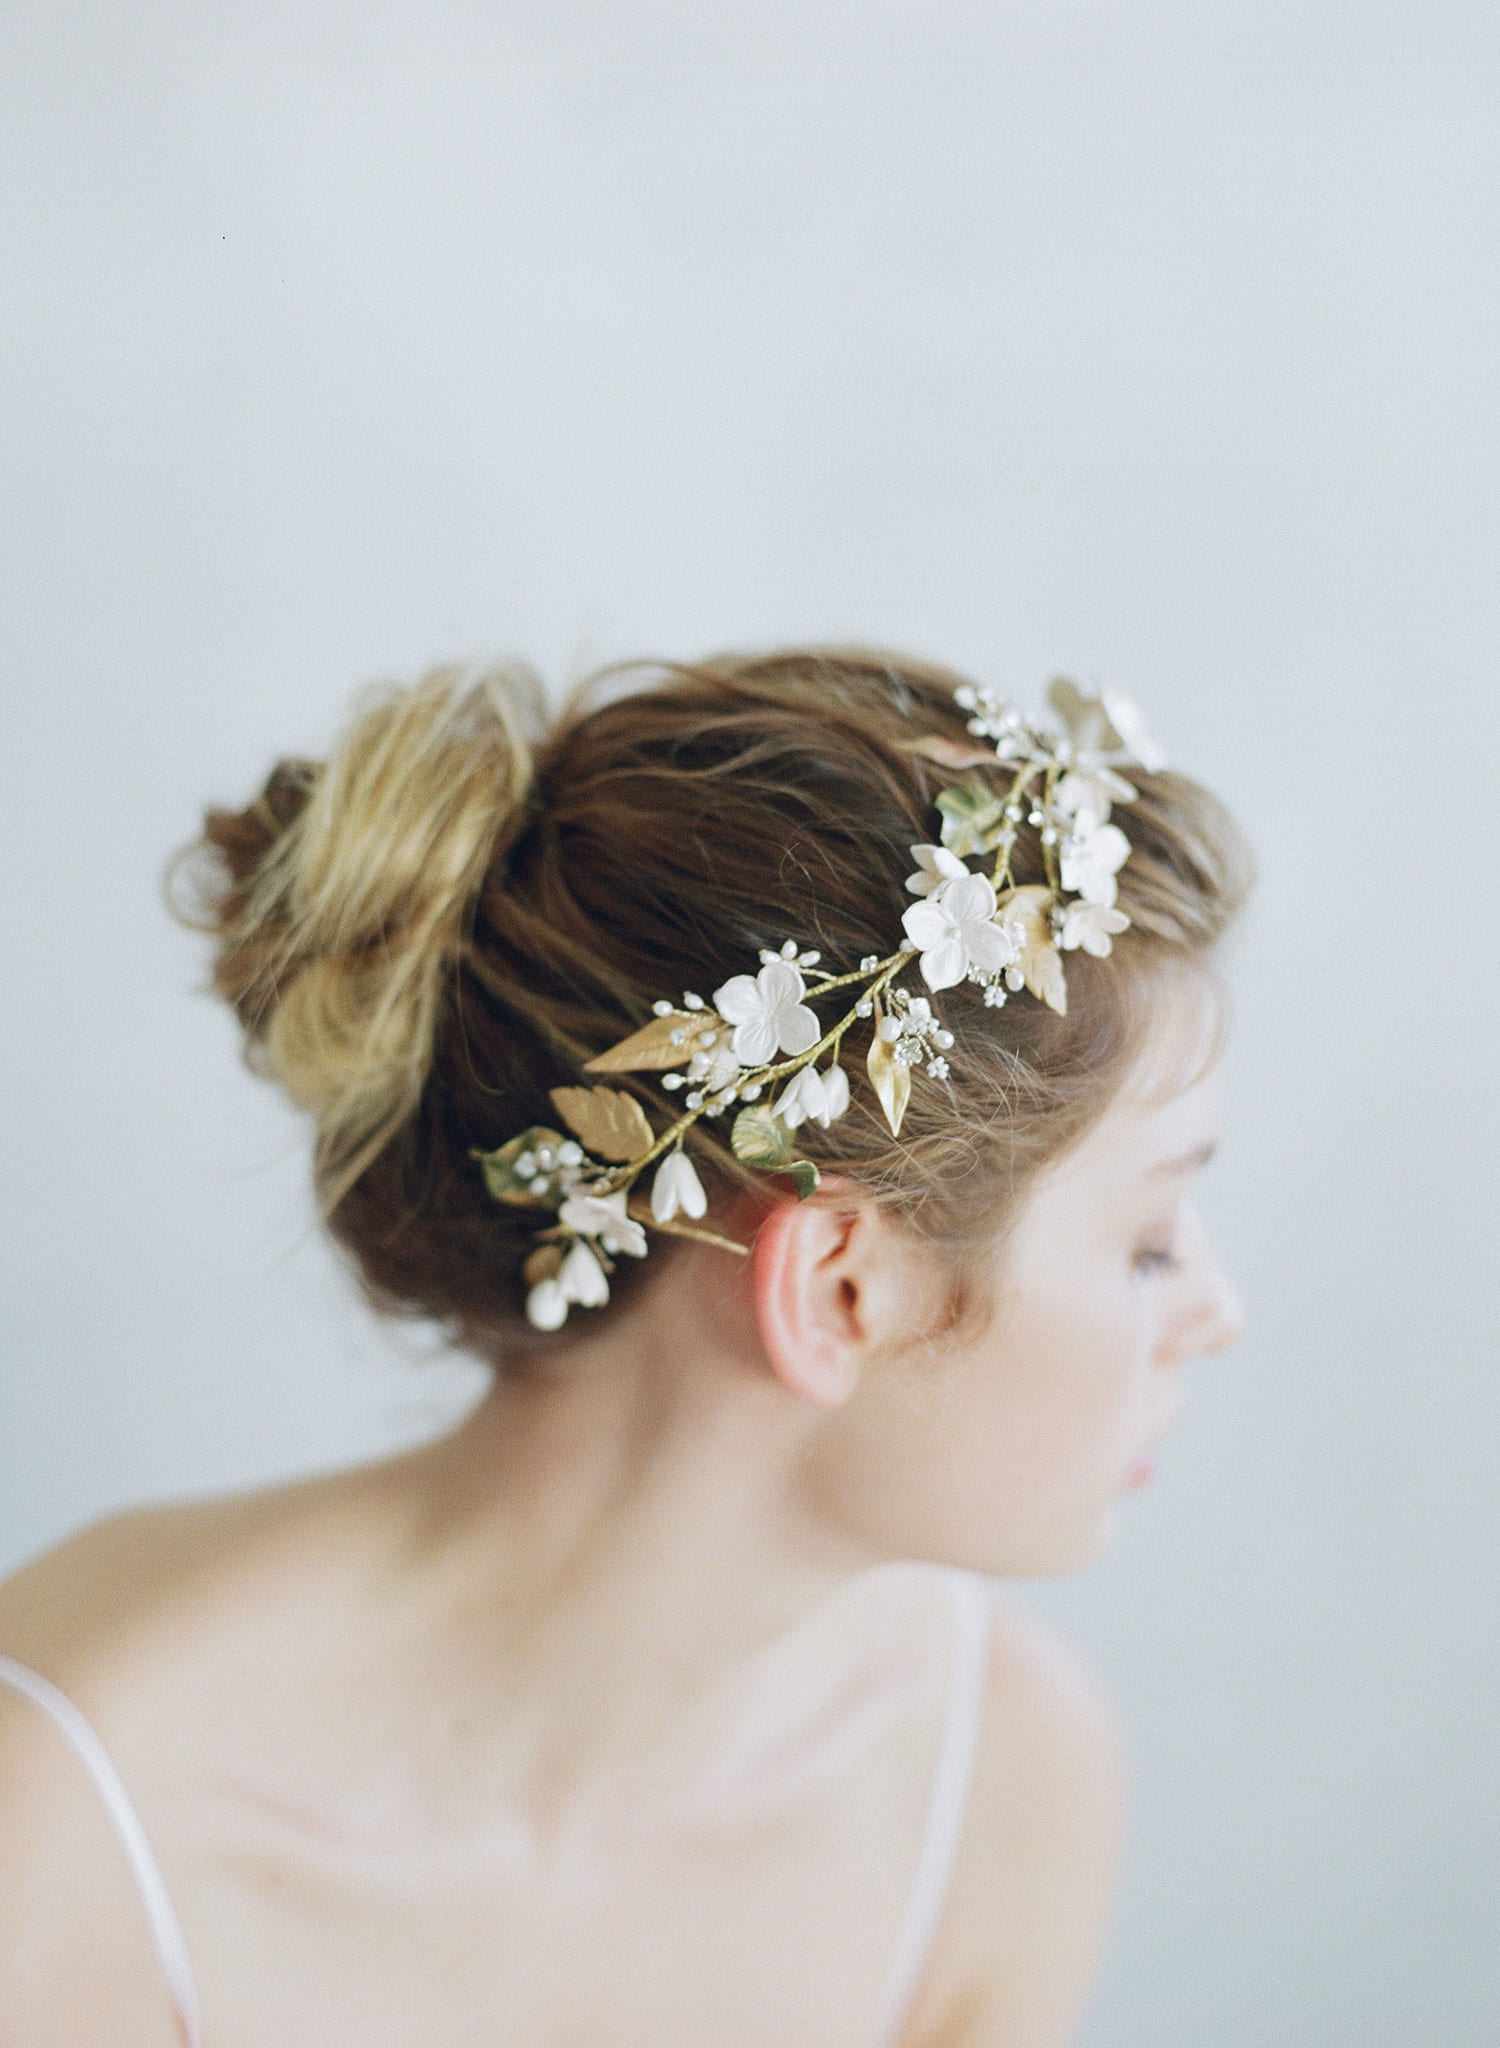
951 1779
171 1949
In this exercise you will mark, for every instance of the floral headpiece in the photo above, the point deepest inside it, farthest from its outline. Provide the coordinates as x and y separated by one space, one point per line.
966 925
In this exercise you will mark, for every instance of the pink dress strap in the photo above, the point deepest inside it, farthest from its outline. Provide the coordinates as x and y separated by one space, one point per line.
171 1949
947 1803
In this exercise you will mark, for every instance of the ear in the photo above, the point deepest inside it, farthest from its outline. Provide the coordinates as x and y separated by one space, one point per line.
809 1266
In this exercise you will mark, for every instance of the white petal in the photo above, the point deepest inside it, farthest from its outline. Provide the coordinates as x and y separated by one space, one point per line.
990 946
801 1098
664 1193
547 1305
754 1041
797 1028
835 1092
1127 721
587 1214
927 923
1083 799
581 1277
739 999
946 963
971 896
629 1237
780 982
689 1188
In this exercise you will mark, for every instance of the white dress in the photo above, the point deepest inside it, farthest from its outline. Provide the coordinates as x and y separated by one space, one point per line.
930 1679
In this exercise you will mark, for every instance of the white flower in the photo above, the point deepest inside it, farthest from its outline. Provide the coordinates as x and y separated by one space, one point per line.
581 1277
955 929
604 1217
1125 717
1089 925
677 1186
1084 795
547 1305
1089 863
810 1096
768 1012
935 865
1103 729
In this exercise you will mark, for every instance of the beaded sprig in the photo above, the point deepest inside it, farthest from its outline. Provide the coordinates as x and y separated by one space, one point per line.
757 1031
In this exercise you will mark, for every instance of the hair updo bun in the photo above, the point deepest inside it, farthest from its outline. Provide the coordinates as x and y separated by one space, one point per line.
342 896
427 932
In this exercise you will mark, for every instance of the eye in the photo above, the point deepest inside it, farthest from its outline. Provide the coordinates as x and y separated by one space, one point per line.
1156 1259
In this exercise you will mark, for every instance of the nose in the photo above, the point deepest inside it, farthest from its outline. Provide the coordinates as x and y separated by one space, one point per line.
1223 1322
1212 1314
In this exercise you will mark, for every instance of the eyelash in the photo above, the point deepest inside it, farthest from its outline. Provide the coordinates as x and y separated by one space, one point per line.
1153 1260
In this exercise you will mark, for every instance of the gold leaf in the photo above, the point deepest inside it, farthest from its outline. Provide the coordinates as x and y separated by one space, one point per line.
612 1125
651 1049
1040 961
640 1208
950 753
500 1175
892 1080
542 1263
761 1139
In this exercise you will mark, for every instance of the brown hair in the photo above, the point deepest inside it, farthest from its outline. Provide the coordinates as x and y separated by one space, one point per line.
425 933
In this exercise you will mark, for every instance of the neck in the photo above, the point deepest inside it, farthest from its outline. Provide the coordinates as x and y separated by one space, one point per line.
648 1495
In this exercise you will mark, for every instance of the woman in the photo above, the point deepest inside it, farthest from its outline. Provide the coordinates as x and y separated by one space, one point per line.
675 1695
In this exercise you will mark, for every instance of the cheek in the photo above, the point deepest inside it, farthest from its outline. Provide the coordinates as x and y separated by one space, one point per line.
1076 1366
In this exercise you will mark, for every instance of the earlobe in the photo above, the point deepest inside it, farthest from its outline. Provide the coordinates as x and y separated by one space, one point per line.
807 1299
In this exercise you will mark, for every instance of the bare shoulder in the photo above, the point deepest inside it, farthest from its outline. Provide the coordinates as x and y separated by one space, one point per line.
129 1617
1032 1895
83 1614
96 1600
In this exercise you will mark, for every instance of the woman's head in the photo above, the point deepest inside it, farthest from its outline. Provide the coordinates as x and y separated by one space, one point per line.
1002 1440
444 921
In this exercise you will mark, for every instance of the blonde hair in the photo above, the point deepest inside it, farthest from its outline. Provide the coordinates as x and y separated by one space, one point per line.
445 919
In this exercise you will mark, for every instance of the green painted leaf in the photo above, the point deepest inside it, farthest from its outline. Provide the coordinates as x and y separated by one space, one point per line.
973 816
761 1139
806 1175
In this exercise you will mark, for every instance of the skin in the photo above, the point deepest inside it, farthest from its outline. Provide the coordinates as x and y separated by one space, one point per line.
494 1623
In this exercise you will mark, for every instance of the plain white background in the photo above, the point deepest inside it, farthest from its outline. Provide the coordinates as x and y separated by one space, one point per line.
1152 344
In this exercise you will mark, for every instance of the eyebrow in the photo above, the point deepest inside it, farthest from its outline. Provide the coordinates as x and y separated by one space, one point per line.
1186 1161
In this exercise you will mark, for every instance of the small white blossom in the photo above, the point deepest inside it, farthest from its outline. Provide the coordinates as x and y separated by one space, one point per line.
935 865
801 1098
593 1215
547 1305
677 1186
768 1013
835 1093
811 1096
955 929
581 1277
1084 795
716 1067
1090 861
1089 925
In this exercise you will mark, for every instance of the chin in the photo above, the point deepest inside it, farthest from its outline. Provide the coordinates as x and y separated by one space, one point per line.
1056 1554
